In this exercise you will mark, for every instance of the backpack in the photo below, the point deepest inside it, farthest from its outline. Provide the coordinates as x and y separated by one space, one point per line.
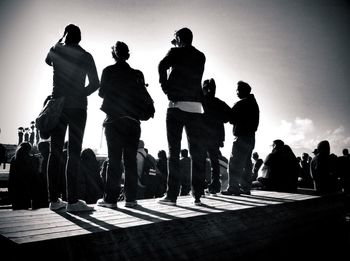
145 104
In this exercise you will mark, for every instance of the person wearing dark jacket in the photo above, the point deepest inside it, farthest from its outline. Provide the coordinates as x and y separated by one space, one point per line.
120 92
183 87
245 120
216 113
71 65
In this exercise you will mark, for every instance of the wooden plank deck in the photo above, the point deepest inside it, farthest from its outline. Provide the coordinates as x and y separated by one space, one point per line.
225 227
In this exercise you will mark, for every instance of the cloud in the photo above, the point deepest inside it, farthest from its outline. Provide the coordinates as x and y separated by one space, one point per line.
303 134
295 133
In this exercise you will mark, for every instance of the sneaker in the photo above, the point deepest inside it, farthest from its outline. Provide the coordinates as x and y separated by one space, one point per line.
131 204
230 192
197 202
167 201
79 206
102 203
57 205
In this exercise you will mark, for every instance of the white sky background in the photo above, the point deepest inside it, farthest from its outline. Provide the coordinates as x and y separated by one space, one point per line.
293 53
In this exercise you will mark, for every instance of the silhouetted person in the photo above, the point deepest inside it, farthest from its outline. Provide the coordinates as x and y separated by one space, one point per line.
216 113
185 172
22 177
91 185
71 65
32 133
184 91
20 135
280 169
344 169
162 165
245 120
256 165
120 92
305 179
3 157
322 170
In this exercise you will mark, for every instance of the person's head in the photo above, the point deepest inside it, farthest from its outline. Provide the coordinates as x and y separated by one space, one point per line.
243 89
255 156
88 155
183 37
184 153
277 144
305 156
209 87
345 152
324 148
120 51
141 144
162 154
23 149
72 34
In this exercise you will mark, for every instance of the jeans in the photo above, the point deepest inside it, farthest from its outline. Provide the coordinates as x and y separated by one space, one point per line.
176 120
240 165
76 120
122 136
213 150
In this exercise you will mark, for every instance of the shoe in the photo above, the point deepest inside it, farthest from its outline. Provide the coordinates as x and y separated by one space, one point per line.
131 204
102 203
245 192
230 192
214 187
57 205
79 206
167 201
197 202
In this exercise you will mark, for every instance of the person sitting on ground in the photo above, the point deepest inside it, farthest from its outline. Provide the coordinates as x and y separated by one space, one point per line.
280 169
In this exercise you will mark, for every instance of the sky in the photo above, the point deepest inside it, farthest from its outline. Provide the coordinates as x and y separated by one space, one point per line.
294 54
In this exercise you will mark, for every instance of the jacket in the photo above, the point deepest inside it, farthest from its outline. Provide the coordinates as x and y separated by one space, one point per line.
185 79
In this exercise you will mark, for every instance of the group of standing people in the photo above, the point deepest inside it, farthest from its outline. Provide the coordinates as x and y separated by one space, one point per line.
190 107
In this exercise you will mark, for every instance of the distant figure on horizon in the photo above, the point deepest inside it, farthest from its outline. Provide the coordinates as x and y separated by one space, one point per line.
183 87
71 65
120 90
245 120
216 113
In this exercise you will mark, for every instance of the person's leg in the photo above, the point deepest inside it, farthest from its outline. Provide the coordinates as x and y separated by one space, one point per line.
194 132
54 159
132 136
241 152
77 121
113 175
214 153
174 125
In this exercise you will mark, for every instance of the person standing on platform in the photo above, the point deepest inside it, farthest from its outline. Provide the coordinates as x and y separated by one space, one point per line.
71 64
245 120
120 92
216 113
183 86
